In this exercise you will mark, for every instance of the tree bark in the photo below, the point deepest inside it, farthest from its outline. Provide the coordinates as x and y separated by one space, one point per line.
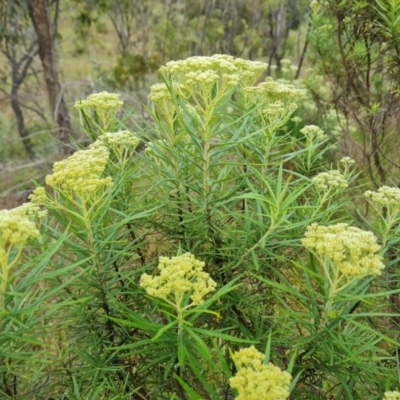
39 12
19 69
19 116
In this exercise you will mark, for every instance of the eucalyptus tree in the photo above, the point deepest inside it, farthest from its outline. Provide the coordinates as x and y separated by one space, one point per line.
18 46
28 29
40 14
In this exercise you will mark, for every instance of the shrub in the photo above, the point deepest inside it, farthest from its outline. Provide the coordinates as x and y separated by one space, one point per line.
162 274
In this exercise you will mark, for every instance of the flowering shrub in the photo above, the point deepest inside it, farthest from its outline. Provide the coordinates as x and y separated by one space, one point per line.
152 268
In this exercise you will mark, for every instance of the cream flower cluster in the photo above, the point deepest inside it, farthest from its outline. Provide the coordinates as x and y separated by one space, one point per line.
104 104
102 100
179 275
315 5
207 81
273 91
159 92
275 108
116 140
275 101
16 228
39 196
352 250
210 69
395 395
206 77
330 180
384 197
256 381
313 132
81 173
198 75
30 210
347 161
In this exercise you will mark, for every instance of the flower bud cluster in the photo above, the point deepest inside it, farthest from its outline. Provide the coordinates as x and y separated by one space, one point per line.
102 100
315 5
385 196
206 77
39 196
313 132
273 91
30 210
207 81
197 76
81 173
330 180
104 104
256 381
275 108
159 92
211 69
395 395
17 228
347 162
116 140
277 100
179 275
352 250
286 62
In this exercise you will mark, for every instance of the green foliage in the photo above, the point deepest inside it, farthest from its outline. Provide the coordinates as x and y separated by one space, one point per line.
131 69
224 179
354 50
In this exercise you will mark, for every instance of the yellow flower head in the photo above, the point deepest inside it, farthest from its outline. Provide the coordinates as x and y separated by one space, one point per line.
275 108
347 161
273 91
102 100
17 226
395 395
159 92
330 180
118 140
256 381
385 196
104 104
201 83
39 196
313 132
351 250
275 101
179 275
198 76
82 172
210 69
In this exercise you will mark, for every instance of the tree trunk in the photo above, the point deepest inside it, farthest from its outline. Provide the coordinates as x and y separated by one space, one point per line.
39 12
19 116
19 69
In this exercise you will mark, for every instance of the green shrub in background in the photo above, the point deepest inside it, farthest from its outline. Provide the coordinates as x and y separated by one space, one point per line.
354 58
212 265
